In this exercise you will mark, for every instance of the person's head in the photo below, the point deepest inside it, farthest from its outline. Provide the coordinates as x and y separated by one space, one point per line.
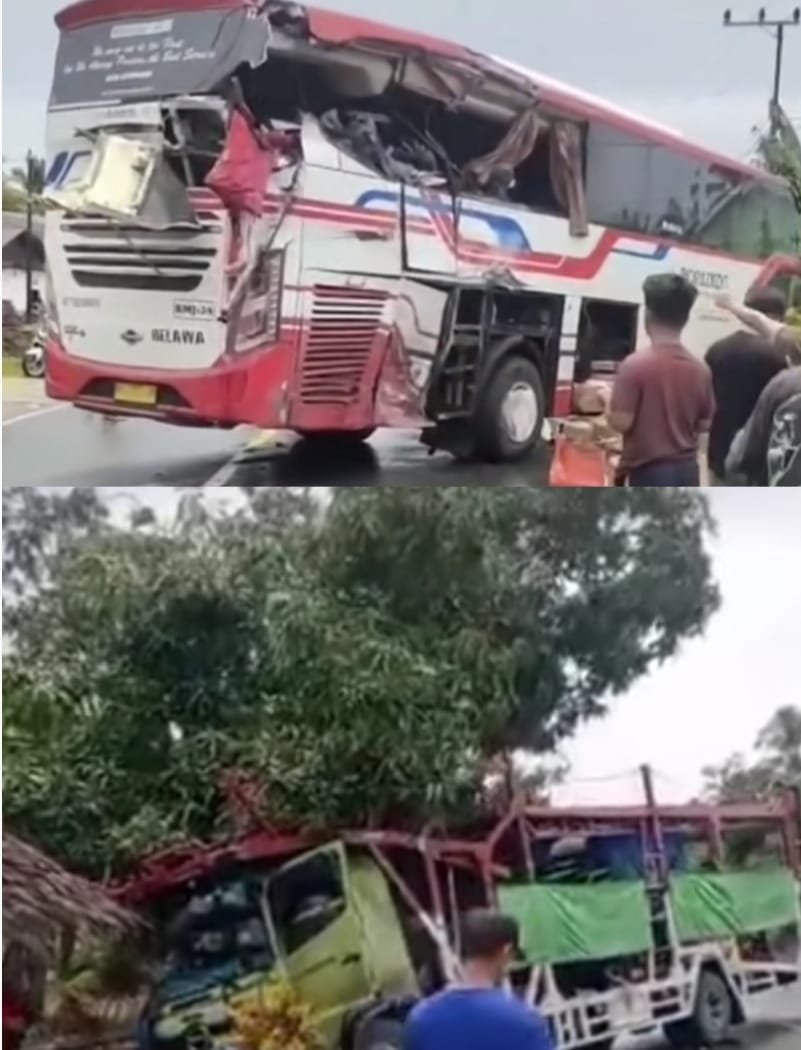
768 301
489 942
669 300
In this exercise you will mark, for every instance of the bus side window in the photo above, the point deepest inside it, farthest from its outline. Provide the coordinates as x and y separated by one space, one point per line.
607 335
305 898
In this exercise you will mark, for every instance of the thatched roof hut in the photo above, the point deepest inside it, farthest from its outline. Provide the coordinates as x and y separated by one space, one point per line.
41 899
45 907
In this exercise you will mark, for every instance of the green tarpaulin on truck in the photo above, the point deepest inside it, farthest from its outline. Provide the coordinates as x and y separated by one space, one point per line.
709 906
572 923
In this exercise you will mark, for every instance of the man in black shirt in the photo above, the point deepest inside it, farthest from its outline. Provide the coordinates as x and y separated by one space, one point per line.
769 450
742 365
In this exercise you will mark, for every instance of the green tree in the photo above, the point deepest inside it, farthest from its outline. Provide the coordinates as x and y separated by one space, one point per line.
39 525
31 179
20 182
777 763
363 658
780 153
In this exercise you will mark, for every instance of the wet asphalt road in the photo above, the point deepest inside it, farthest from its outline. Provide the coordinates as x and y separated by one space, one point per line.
55 445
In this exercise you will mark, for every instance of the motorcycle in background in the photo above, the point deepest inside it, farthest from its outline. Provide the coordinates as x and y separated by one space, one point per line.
33 360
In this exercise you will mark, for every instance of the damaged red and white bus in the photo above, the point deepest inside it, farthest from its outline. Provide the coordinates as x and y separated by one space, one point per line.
274 215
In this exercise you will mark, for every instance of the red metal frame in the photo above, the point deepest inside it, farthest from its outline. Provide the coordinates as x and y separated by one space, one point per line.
161 873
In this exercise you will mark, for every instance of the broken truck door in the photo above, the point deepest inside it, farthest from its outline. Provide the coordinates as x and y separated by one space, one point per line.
319 935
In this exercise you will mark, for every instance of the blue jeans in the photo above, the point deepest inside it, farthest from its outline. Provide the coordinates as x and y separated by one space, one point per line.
669 474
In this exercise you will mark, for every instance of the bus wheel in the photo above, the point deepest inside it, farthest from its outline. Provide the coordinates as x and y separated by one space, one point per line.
380 1033
712 1019
511 412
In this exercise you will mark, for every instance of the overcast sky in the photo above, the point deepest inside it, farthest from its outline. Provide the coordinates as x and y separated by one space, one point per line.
717 693
670 59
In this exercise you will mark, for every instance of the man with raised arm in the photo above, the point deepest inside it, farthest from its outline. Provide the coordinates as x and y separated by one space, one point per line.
742 365
784 337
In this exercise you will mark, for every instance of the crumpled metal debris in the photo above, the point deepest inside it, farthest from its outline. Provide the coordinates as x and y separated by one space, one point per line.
129 178
360 134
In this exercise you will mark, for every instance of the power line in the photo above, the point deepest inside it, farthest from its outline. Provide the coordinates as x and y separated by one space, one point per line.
779 24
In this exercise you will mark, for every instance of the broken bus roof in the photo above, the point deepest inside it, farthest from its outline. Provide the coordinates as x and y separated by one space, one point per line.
333 28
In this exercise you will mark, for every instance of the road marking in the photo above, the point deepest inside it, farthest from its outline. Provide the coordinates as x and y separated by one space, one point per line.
223 476
33 414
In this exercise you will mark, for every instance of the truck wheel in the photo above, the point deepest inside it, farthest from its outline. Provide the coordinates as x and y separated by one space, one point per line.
712 1019
511 411
382 1033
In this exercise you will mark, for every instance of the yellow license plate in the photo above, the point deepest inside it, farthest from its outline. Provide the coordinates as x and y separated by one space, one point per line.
136 393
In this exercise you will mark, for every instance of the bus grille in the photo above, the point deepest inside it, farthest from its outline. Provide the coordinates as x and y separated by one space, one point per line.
344 325
103 256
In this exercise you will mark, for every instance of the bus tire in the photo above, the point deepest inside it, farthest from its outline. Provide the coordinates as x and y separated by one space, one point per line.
712 1018
379 1033
511 411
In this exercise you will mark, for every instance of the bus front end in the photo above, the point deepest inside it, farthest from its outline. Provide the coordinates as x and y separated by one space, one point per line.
144 260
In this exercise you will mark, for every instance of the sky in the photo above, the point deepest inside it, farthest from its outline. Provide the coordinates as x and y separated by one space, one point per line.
718 691
669 59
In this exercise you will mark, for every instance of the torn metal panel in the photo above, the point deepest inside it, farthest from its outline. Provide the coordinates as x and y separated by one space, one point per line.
128 178
383 145
419 315
567 174
241 178
500 164
403 387
397 402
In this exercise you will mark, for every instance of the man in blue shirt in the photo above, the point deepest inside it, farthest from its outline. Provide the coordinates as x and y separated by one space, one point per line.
478 1013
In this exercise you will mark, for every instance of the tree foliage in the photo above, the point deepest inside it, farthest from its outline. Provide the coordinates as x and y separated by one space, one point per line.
354 659
776 764
19 184
780 153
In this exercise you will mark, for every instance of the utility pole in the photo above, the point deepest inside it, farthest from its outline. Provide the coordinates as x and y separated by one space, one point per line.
779 24
29 237
655 847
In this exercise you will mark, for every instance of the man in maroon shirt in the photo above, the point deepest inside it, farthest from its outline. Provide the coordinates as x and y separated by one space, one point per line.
663 401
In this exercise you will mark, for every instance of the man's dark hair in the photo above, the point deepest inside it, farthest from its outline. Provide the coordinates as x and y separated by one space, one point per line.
769 301
485 933
670 299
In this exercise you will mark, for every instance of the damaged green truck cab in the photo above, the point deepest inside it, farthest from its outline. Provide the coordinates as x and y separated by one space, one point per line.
325 922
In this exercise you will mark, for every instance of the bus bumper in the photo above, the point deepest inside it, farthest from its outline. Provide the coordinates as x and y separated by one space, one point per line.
251 390
259 389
